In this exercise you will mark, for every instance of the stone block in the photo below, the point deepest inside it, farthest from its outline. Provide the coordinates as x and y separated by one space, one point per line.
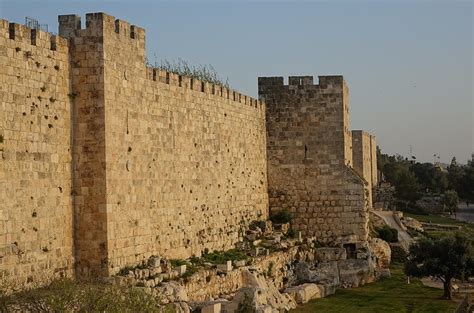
154 262
212 308
239 263
330 254
181 269
305 292
155 271
226 267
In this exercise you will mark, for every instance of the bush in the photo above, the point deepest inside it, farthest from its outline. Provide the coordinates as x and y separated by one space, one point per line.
220 257
291 233
387 233
281 217
70 296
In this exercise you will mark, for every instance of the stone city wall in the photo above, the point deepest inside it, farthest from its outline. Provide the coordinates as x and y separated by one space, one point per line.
36 233
362 158
179 164
373 161
105 162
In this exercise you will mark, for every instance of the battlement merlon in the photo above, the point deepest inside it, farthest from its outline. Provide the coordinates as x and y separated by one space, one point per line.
35 37
360 132
98 24
324 81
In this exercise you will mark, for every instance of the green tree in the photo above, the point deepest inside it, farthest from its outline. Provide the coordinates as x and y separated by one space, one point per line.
455 174
466 188
430 177
406 186
451 201
446 258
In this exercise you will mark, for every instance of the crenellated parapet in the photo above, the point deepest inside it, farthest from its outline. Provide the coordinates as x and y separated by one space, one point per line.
25 37
99 24
192 84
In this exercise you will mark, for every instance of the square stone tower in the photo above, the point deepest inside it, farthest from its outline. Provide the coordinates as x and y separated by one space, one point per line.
309 157
362 158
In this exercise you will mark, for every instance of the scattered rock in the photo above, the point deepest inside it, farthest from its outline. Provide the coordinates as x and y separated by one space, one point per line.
226 267
154 262
181 269
171 292
413 224
181 307
305 292
212 308
381 251
355 272
261 294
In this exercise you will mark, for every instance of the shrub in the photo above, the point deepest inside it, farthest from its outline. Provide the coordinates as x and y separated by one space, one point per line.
177 262
291 233
69 296
387 233
205 73
220 257
281 217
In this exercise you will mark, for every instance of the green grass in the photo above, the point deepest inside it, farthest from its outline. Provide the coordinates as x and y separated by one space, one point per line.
467 229
385 296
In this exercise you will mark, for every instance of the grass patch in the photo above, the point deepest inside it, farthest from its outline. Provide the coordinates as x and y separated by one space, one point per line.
220 257
387 295
467 229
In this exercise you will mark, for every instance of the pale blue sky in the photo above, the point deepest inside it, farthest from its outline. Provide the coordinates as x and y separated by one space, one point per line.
409 65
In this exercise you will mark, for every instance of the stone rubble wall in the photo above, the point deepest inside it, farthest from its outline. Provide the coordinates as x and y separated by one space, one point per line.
36 232
309 158
212 284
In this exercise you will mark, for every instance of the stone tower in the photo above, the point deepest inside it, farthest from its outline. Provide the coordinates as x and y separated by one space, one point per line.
309 157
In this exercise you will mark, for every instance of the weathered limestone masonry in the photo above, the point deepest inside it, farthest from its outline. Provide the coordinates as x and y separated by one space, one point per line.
36 215
362 158
309 157
105 162
166 165
373 161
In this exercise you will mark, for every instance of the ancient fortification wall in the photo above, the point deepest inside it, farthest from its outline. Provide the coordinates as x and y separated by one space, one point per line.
36 233
308 150
180 164
373 161
105 162
362 158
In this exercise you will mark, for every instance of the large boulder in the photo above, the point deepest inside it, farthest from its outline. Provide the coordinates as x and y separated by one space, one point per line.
171 292
412 223
381 251
261 295
305 292
355 272
325 274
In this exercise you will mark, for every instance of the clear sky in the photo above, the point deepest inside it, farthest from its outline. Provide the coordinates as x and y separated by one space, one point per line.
409 64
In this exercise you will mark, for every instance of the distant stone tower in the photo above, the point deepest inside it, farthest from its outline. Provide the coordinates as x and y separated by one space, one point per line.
362 158
309 157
